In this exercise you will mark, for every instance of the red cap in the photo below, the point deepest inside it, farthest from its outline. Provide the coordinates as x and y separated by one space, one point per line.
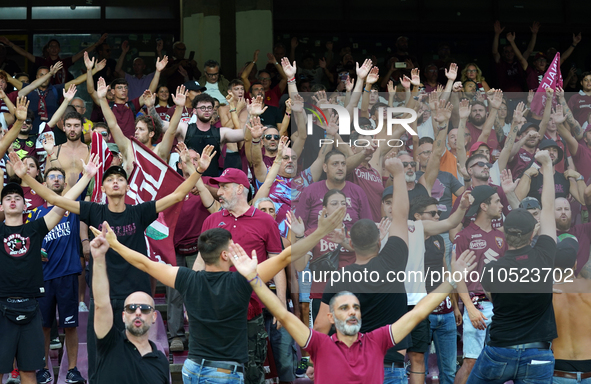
476 145
231 175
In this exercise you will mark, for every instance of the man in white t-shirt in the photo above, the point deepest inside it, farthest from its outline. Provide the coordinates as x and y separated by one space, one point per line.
216 84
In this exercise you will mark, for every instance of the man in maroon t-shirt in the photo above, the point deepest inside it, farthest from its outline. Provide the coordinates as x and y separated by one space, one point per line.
310 202
480 122
580 104
582 232
488 244
527 144
510 73
578 146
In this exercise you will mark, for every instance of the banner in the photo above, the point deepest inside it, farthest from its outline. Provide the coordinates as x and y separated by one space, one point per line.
552 79
99 146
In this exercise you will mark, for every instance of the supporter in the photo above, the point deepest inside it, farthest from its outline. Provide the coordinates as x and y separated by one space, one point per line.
50 57
60 252
472 72
139 82
503 120
232 115
401 52
580 104
270 115
578 142
32 200
164 101
6 105
104 54
271 95
564 225
125 110
480 122
194 90
217 85
430 76
510 73
180 70
529 139
8 65
488 243
80 106
522 333
117 347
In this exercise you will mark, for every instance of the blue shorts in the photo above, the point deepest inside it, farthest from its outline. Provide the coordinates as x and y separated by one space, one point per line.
63 293
474 338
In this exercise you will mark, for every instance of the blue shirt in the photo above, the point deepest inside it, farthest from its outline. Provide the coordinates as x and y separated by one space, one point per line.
53 95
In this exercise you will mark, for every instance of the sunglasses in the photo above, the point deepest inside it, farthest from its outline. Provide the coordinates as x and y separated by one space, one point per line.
104 134
433 213
411 163
481 164
145 308
269 137
28 121
53 177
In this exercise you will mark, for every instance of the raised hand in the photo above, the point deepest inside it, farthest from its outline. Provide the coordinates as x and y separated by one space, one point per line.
102 38
125 46
384 227
333 127
245 265
99 245
518 113
161 64
149 98
256 55
511 37
349 84
443 112
322 63
558 116
88 62
433 101
507 182
48 143
288 106
206 156
497 27
4 40
405 81
255 107
373 76
465 109
363 71
183 152
465 263
101 88
297 226
271 59
496 100
255 127
452 74
560 94
391 90
535 27
576 38
462 169
320 98
297 103
19 168
457 87
543 157
70 94
101 65
289 69
467 200
22 105
328 223
181 96
93 165
394 166
107 233
56 68
415 78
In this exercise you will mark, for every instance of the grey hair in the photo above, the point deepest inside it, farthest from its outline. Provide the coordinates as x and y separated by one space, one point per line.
401 153
333 299
259 201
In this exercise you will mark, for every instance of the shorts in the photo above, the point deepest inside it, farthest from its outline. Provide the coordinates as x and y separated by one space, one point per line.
474 338
63 292
420 335
24 341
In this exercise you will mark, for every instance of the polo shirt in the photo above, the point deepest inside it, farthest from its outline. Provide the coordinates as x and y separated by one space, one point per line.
125 116
118 361
582 160
334 362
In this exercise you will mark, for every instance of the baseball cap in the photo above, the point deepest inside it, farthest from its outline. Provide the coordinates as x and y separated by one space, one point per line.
547 143
194 86
477 145
12 188
232 175
528 126
481 193
540 55
113 147
115 170
566 251
519 222
387 192
530 203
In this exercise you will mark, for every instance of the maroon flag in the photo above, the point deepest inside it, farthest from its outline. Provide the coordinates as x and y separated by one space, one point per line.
152 179
99 146
552 79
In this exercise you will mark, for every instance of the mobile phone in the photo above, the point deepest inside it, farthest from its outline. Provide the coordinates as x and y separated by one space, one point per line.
400 64
191 55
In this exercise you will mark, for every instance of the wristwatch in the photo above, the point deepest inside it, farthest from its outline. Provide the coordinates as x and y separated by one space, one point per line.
580 178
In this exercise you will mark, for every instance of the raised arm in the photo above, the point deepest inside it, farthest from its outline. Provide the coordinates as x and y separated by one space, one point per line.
524 185
103 312
248 69
256 154
559 118
433 228
273 61
566 54
22 105
494 105
122 142
8 116
495 46
547 111
68 96
522 60
362 73
119 67
297 107
37 82
265 188
89 63
532 41
164 147
464 113
17 49
399 225
509 149
441 120
547 221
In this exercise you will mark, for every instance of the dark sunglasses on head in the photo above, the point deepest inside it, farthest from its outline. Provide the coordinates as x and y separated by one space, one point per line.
530 203
481 164
145 308
268 137
433 213
28 121
406 164
104 134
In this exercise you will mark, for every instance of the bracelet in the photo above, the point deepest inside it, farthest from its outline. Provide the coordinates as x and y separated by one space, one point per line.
300 237
52 160
232 110
260 282
276 63
197 170
211 205
526 174
84 240
288 114
255 142
580 178
366 90
572 45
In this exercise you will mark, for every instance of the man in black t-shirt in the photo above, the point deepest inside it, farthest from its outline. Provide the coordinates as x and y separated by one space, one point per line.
519 285
21 276
117 351
130 223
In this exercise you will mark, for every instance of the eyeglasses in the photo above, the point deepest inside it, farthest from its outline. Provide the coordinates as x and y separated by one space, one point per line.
79 106
269 137
53 177
212 74
433 213
426 152
28 121
145 308
203 109
121 88
104 134
407 163
481 164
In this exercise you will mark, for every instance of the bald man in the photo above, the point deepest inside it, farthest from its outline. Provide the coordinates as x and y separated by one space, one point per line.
117 352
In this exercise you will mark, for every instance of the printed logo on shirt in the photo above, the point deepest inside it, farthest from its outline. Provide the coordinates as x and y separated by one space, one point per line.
500 241
478 244
411 228
436 243
489 256
221 223
525 157
474 236
16 245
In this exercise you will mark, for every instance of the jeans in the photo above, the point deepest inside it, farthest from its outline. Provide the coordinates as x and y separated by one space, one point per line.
283 348
562 380
305 286
498 365
395 376
194 373
443 332
448 245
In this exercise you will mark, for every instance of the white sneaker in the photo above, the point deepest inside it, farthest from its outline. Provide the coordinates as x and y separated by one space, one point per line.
82 307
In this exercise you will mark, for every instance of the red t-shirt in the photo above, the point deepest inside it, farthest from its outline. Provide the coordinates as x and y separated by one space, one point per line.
185 117
125 117
346 257
370 181
363 362
488 246
190 221
510 76
580 105
60 77
163 112
582 160
496 223
520 162
475 133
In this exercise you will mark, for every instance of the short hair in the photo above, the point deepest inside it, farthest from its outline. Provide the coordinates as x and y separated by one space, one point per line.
517 240
419 203
78 98
402 153
318 87
211 243
425 140
42 67
100 124
376 106
117 82
477 102
74 115
204 97
332 153
486 201
328 195
253 84
585 74
263 71
474 157
334 298
365 235
19 74
234 82
261 200
152 126
211 63
54 169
